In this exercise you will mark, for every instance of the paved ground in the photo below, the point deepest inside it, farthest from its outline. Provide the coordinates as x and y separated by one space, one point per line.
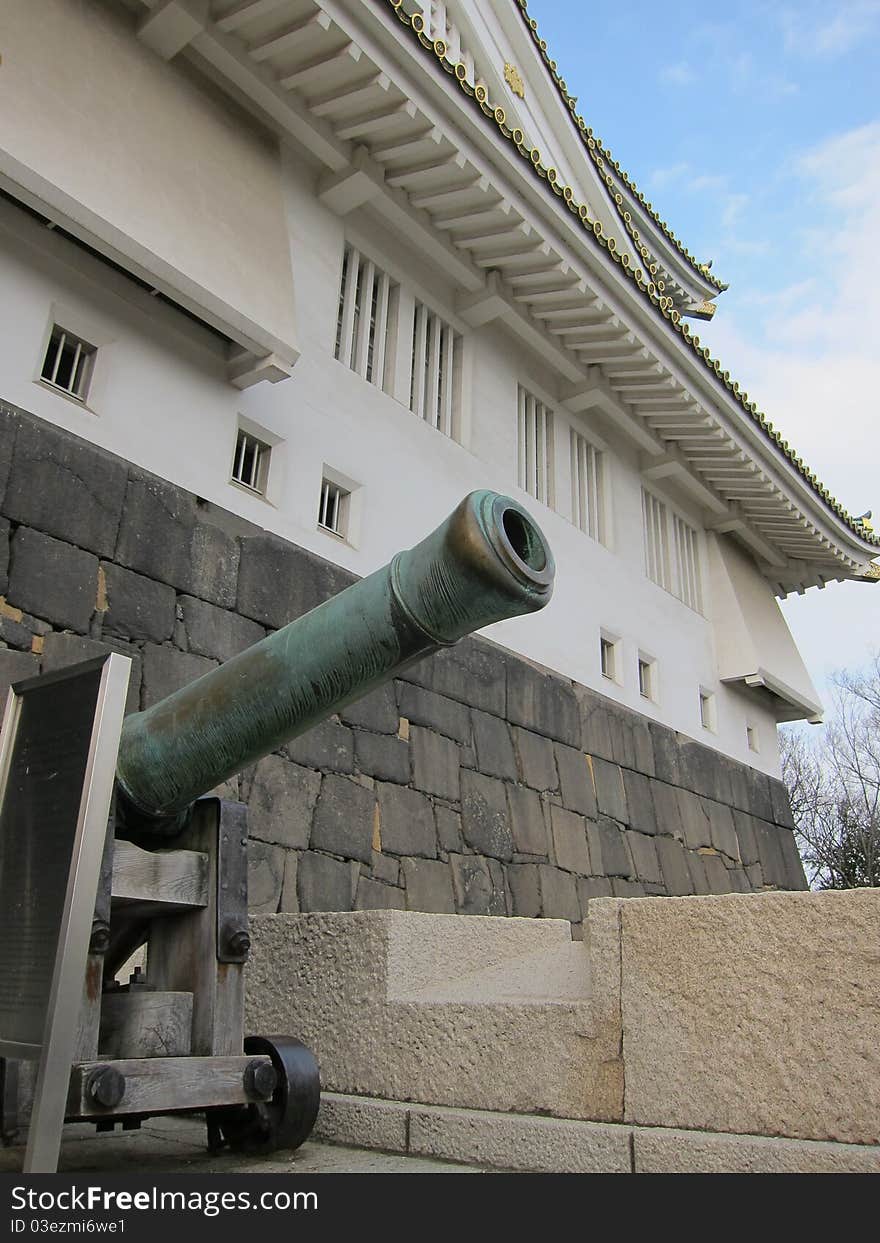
177 1145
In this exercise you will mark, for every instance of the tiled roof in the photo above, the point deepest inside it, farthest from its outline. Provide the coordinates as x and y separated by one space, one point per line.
652 291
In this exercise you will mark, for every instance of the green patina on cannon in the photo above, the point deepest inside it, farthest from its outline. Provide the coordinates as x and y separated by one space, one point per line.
488 561
174 873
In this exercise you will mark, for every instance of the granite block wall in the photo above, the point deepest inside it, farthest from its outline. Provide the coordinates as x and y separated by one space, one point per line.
474 783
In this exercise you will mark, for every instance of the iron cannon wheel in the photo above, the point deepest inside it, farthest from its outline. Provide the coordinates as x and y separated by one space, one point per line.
287 1118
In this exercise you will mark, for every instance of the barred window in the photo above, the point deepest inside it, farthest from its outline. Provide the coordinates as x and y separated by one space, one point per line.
333 508
365 294
250 464
587 487
535 447
435 371
672 555
68 363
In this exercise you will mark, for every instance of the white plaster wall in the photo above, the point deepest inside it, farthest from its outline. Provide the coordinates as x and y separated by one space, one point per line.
156 165
160 399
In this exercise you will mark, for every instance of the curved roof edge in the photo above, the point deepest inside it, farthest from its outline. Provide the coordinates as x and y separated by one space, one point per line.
648 289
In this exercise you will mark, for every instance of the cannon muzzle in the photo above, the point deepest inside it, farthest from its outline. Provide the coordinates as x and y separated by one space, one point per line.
488 561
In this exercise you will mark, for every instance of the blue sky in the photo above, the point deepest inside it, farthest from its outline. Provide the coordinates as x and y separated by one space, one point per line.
754 129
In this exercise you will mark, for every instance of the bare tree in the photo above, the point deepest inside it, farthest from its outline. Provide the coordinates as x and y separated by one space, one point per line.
834 785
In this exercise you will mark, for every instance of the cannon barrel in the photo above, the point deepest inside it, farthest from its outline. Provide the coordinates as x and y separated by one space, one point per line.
488 561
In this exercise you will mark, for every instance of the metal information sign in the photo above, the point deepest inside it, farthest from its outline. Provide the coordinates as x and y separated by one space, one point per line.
57 763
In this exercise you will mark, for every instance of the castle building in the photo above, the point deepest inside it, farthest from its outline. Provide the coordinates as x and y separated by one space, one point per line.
285 279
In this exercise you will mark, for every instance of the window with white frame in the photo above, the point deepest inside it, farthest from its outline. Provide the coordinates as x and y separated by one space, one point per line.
250 463
708 718
609 656
587 487
672 553
68 363
752 737
647 677
362 325
333 508
435 370
535 447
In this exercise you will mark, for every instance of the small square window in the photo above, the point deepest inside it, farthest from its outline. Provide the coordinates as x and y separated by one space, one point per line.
608 658
333 508
68 363
707 710
250 465
648 678
752 738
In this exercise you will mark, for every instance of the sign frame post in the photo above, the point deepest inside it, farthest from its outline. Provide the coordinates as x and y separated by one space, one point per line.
55 1050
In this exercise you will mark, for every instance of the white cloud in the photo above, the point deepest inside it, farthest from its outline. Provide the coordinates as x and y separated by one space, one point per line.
817 34
679 74
666 176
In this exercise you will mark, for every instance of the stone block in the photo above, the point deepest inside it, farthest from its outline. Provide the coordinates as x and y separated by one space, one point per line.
716 873
667 766
323 884
4 556
542 702
610 794
528 825
52 579
289 904
596 725
695 864
282 802
613 848
590 887
163 536
754 1014
166 670
343 820
780 804
770 853
479 889
524 885
639 803
428 885
437 712
376 711
746 838
278 582
65 487
217 633
485 820
435 763
537 763
794 867
721 829
382 756
694 819
623 888
739 882
644 855
559 898
15 667
265 877
137 607
495 756
328 746
755 876
448 828
61 650
10 422
673 865
576 781
760 801
362 1122
406 821
473 672
373 895
643 746
384 867
16 634
666 1151
570 841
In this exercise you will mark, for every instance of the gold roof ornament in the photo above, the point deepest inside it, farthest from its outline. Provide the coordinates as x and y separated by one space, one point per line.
700 310
514 80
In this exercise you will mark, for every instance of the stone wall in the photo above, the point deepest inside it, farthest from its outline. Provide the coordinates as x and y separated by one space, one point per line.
476 783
